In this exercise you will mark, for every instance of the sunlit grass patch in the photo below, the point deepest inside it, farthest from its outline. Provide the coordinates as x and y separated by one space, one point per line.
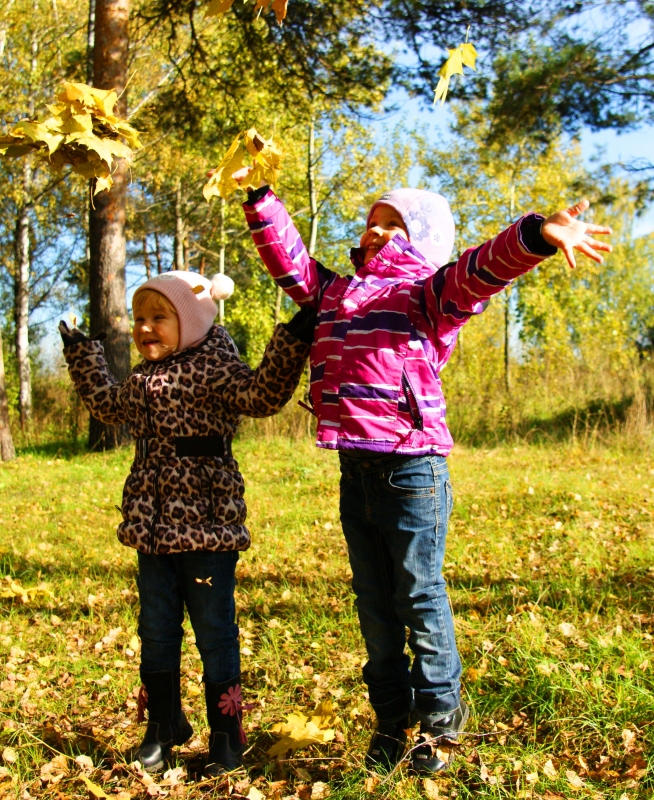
549 566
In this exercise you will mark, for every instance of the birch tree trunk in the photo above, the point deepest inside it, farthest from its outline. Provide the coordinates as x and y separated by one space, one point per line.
179 229
7 452
22 301
108 310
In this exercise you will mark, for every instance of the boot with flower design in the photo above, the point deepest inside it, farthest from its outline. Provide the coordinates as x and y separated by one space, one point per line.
227 740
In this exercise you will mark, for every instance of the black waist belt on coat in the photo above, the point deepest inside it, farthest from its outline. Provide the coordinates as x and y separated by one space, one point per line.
185 447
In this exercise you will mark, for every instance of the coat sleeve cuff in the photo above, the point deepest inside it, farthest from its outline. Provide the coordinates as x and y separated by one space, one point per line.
254 195
532 238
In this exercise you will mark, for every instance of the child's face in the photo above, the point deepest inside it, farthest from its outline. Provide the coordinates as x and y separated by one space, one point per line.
385 223
155 333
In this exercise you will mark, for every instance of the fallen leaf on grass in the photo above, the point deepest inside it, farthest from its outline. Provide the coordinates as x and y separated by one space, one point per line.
95 791
531 777
567 629
9 755
550 770
10 588
628 740
255 794
431 789
4 773
301 730
174 776
573 779
320 791
54 770
370 784
85 763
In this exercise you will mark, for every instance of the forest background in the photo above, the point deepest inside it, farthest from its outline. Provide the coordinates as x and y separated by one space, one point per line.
562 352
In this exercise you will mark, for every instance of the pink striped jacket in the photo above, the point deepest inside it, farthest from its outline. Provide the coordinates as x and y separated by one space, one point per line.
384 334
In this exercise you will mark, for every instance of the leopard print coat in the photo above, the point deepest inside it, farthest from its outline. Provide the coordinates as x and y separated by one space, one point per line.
172 504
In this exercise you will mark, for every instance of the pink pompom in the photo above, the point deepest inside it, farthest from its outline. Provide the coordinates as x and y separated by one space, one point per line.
222 287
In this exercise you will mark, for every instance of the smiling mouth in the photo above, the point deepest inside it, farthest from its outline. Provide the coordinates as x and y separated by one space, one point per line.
147 342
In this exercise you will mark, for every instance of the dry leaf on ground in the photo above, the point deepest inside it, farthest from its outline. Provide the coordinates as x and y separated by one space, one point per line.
431 789
9 755
549 770
301 730
573 779
320 791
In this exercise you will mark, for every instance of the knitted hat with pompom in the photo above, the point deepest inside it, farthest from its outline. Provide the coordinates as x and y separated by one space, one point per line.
428 221
193 297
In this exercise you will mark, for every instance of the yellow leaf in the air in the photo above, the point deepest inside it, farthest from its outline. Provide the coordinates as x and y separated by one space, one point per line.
463 55
95 791
217 7
301 730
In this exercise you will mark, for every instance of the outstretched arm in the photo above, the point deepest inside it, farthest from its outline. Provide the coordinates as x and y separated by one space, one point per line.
281 247
461 289
264 391
96 386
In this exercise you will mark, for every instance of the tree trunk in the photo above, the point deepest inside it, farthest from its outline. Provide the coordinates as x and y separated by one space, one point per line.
7 452
179 228
157 253
22 293
221 258
108 310
146 259
313 190
507 336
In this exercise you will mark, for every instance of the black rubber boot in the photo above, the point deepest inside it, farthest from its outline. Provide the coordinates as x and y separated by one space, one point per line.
227 738
444 730
167 723
387 744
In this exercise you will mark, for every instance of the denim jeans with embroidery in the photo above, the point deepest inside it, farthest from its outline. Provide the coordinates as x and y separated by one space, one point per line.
394 512
203 581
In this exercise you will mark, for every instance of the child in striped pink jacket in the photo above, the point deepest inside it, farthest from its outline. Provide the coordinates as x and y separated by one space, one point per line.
382 337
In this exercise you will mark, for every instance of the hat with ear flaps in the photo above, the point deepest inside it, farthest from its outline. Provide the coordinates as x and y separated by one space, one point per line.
193 297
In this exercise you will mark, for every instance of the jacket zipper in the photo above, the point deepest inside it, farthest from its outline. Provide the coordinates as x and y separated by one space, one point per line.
155 510
412 402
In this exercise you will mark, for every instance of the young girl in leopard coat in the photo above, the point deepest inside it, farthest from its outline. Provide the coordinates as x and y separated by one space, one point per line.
183 508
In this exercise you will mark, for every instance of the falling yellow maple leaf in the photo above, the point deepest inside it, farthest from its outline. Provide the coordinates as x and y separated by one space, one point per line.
266 165
217 7
464 54
301 730
81 132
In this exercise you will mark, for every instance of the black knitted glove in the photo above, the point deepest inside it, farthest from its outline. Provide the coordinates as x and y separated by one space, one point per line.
71 336
303 324
257 194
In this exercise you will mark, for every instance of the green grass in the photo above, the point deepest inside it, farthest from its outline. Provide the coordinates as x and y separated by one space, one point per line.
551 576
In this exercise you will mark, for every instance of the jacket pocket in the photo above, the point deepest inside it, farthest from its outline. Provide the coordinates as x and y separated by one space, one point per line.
412 402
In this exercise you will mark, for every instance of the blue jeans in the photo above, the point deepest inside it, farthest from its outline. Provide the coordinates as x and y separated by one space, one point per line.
394 512
167 583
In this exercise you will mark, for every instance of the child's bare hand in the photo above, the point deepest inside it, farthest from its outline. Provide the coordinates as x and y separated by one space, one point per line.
565 231
241 174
